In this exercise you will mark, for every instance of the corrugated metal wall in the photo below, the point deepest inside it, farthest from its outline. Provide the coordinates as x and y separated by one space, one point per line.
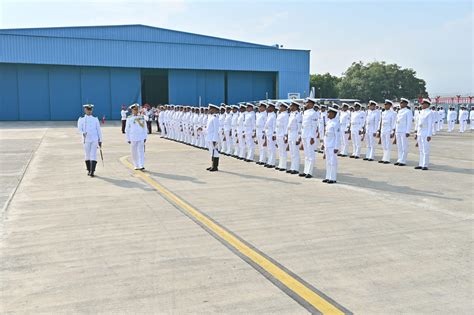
186 86
250 86
35 92
132 33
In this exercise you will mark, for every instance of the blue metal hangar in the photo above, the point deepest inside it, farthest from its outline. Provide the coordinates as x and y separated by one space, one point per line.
48 73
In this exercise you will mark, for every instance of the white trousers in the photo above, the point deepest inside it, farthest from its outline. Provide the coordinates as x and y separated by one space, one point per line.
386 146
331 163
344 143
282 153
369 136
271 150
250 145
309 155
440 125
424 148
451 125
294 155
356 141
241 145
235 145
138 153
402 147
221 139
261 149
213 149
462 125
90 151
227 148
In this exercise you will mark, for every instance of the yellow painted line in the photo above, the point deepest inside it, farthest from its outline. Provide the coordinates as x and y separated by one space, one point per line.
311 297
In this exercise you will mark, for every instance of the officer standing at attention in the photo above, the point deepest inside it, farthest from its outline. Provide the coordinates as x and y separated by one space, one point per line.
270 135
451 117
309 129
282 135
212 136
387 131
294 140
463 117
345 122
234 131
136 132
261 119
249 129
123 115
357 122
402 131
240 130
332 140
424 131
89 127
371 128
228 130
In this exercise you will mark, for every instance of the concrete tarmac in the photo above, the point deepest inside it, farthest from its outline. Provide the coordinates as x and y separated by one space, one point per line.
383 240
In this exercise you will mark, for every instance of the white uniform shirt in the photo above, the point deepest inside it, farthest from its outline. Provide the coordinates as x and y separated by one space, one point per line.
471 115
235 120
452 115
357 120
261 119
309 125
270 124
123 114
389 121
372 123
89 127
332 134
212 128
240 122
249 122
228 121
404 120
136 129
425 123
344 121
282 124
294 125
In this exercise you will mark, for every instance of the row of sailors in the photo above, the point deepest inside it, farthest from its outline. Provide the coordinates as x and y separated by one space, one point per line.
239 128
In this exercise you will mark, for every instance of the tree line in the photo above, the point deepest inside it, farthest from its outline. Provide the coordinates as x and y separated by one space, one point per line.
374 80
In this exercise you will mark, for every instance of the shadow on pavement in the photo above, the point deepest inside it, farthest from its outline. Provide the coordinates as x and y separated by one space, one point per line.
363 182
267 179
123 183
176 177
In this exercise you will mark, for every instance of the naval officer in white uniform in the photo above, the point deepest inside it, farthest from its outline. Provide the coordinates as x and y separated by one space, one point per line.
136 132
212 136
424 132
89 127
332 142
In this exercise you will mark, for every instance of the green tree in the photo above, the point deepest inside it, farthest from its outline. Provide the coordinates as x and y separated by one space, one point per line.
326 85
379 81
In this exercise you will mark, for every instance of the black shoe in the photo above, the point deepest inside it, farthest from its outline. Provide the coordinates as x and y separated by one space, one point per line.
309 176
344 155
277 168
425 168
302 175
209 168
215 164
366 159
289 171
339 154
356 157
352 157
325 180
370 160
247 160
142 169
386 162
282 170
381 161
398 163
271 166
294 172
418 167
331 181
88 167
93 164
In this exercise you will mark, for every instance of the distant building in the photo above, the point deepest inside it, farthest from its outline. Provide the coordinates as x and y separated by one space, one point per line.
48 73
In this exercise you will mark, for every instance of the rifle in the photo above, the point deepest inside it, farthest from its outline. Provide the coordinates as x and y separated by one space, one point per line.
380 129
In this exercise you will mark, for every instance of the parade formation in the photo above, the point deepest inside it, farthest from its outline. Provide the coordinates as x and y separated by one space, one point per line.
287 127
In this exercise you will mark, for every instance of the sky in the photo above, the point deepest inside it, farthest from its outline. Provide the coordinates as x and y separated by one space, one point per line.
435 38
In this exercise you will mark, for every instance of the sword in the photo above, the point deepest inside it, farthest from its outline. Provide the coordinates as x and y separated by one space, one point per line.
101 155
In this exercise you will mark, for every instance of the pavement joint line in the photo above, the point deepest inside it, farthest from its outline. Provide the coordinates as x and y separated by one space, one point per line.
302 292
10 198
